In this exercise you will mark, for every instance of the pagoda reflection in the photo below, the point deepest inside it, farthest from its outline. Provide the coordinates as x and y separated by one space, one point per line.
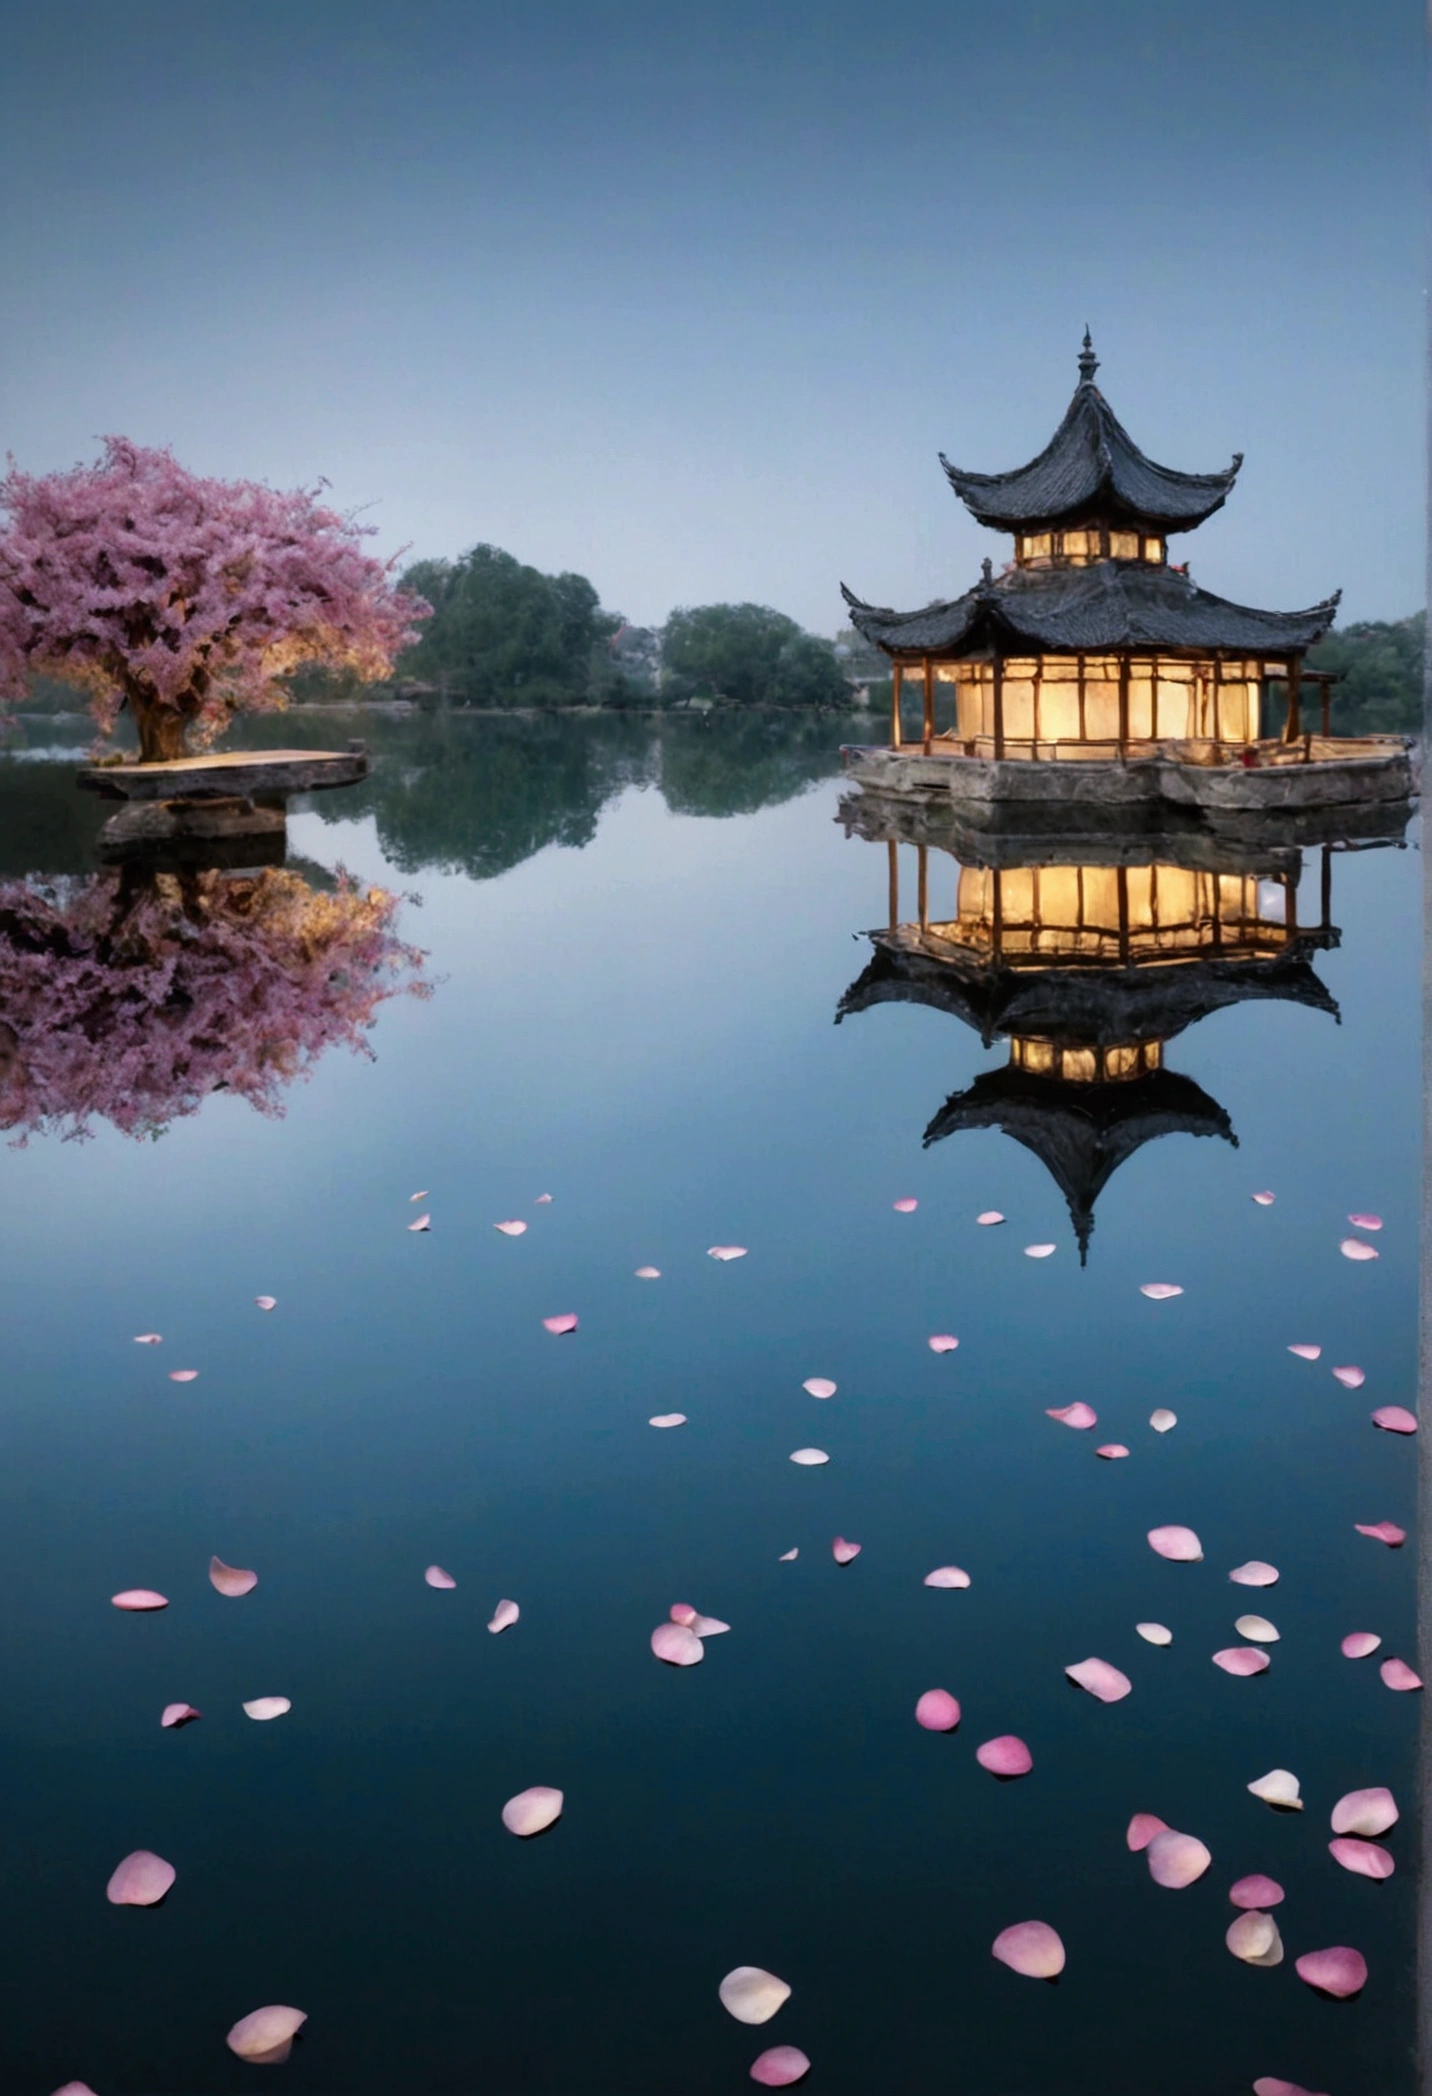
1087 962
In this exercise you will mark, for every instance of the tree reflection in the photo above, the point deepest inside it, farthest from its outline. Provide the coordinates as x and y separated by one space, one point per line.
131 996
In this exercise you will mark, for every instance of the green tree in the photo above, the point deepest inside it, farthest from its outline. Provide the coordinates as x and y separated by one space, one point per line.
749 655
1380 663
504 634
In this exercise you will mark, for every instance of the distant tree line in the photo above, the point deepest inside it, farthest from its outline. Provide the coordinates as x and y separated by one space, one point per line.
1380 662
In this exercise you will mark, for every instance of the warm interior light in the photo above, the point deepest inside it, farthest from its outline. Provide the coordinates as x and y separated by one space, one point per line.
1034 915
1045 702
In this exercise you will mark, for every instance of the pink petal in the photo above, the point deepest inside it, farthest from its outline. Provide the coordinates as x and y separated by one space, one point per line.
1359 1643
1111 1451
1254 1574
230 1579
843 1552
513 1229
266 1302
542 1201
937 1710
1039 1251
263 1708
1142 1829
708 1626
668 1419
1340 1972
946 1576
265 2036
1305 1352
436 1577
752 1995
1253 1936
905 1206
179 1714
788 1557
1163 1421
73 2088
1005 1756
1100 1679
782 2065
1180 1545
140 1880
1270 2085
183 1375
808 1458
943 1343
1370 1811
1176 1860
1354 1248
1386 1532
1159 1291
648 1273
726 1252
819 1386
1366 1222
1364 1858
420 1195
1077 1415
1242 1660
677 1645
682 1612
1350 1378
424 1222
1031 1948
148 1338
989 1216
1264 1200
532 1810
1397 1674
504 1616
1256 1891
1394 1420
566 1322
137 1599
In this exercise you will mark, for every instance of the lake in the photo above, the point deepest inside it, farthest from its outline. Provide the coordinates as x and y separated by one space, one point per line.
636 942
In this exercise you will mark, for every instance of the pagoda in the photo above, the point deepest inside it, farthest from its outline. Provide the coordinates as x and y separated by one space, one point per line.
1091 649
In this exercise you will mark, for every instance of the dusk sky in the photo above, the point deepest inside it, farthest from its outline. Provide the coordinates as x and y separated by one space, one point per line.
689 300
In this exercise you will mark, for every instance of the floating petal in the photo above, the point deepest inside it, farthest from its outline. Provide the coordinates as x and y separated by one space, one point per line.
752 1995
788 1557
504 1616
1242 1660
566 1322
1256 1891
531 1811
1176 1860
1159 1291
1163 1421
1364 1858
420 1195
1100 1679
906 1206
682 1612
725 1251
1397 1674
265 1707
819 1386
677 1645
267 1302
1393 1419
542 1201
1351 1378
1279 1787
1254 1938
781 2066
1366 1222
1031 1948
1005 1756
943 1343
231 1579
1370 1811
424 1222
809 1457
1039 1251
1111 1451
1264 1200
73 2088
265 2036
989 1216
1354 1248
946 1576
1270 2085
1305 1352
843 1552
513 1229
1154 1633
1359 1643
436 1577
148 1338
183 1375
937 1710
140 1880
175 1714
1257 1629
708 1626
667 1419
1180 1545
1339 1971
1077 1415
1254 1574
648 1273
1386 1532
1142 1829
137 1599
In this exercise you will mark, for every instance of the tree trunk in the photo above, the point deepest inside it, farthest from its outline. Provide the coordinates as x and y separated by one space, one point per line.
163 731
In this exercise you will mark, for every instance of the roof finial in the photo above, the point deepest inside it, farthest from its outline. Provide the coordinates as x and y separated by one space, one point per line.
1088 362
988 572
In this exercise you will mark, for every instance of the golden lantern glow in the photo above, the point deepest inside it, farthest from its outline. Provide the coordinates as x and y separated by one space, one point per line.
1090 542
1072 706
1120 1063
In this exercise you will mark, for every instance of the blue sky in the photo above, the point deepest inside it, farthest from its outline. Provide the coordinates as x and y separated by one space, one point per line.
689 302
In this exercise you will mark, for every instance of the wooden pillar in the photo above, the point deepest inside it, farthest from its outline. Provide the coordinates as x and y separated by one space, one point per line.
897 682
1038 682
1124 916
892 850
997 925
998 706
1290 889
929 704
1326 887
1326 686
1293 726
1083 722
922 862
1123 706
1218 698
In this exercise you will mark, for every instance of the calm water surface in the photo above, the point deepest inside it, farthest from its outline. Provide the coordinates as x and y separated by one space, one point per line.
637 948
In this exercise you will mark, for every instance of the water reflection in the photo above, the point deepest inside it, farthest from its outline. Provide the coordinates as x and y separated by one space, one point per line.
1088 960
131 995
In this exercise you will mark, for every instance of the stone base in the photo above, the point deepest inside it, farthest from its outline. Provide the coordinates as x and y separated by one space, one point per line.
181 836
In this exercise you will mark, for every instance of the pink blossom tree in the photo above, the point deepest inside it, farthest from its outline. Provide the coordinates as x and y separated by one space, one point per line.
132 996
184 599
